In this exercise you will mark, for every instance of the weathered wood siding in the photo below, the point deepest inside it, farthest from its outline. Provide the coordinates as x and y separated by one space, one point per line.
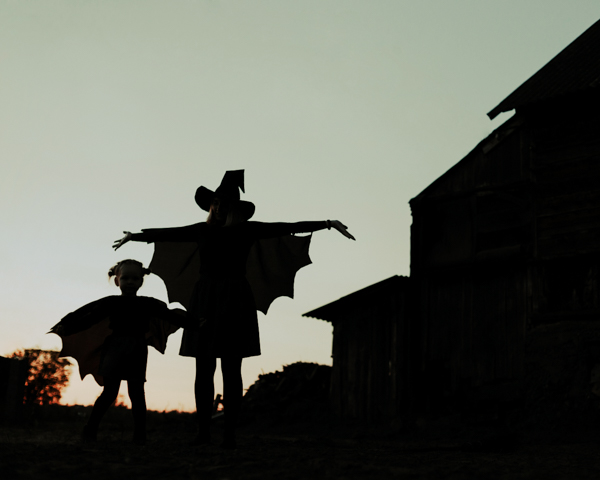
472 328
370 353
471 232
504 244
566 166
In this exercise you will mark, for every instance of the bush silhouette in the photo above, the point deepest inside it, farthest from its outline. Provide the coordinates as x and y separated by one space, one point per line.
47 375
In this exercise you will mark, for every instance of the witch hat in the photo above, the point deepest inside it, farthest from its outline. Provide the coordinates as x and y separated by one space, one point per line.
228 190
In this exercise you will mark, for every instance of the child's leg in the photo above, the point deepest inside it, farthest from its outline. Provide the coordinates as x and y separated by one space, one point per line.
103 402
204 390
232 395
135 388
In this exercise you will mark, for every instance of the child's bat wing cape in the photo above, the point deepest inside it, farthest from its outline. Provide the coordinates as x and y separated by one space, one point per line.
84 331
271 268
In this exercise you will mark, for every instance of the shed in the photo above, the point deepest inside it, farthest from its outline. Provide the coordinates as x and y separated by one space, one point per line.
505 247
13 374
370 374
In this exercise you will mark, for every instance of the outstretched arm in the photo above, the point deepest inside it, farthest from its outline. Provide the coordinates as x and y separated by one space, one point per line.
269 230
189 233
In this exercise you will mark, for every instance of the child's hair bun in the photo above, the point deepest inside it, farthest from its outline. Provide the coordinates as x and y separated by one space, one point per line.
115 270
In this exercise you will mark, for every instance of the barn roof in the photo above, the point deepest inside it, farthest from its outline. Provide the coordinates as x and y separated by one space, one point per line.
349 303
574 69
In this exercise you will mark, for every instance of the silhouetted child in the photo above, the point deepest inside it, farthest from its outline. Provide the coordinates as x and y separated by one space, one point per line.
109 338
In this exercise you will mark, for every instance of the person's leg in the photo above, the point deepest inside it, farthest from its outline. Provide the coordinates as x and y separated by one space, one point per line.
103 402
204 391
135 388
232 396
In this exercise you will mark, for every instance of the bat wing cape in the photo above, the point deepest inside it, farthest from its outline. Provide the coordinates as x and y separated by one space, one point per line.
84 331
270 269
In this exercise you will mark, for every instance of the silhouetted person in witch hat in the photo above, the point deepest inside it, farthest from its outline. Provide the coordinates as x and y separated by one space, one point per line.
223 307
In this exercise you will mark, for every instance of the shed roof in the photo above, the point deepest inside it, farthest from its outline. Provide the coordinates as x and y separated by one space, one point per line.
574 69
341 307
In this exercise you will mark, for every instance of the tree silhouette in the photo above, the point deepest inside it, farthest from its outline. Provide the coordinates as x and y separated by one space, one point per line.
47 375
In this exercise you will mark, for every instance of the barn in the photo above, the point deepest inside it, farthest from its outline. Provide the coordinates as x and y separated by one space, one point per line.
502 306
505 249
369 379
13 373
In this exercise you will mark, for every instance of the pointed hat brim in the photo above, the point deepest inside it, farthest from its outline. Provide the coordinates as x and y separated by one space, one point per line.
232 180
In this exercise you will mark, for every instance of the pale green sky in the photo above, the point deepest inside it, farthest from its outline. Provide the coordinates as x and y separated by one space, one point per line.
112 113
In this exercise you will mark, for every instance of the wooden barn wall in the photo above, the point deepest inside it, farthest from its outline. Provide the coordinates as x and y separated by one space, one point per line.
470 238
369 359
566 165
563 338
505 255
565 153
473 328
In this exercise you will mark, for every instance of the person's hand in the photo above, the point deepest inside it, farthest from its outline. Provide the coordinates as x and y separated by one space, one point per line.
343 229
122 241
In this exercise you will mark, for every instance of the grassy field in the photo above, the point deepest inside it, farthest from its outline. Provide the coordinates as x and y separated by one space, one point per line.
47 445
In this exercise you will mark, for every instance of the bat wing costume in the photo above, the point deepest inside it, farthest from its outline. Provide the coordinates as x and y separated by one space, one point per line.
270 269
86 332
223 274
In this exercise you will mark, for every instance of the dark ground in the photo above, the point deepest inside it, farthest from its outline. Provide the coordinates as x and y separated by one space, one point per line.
287 432
273 446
